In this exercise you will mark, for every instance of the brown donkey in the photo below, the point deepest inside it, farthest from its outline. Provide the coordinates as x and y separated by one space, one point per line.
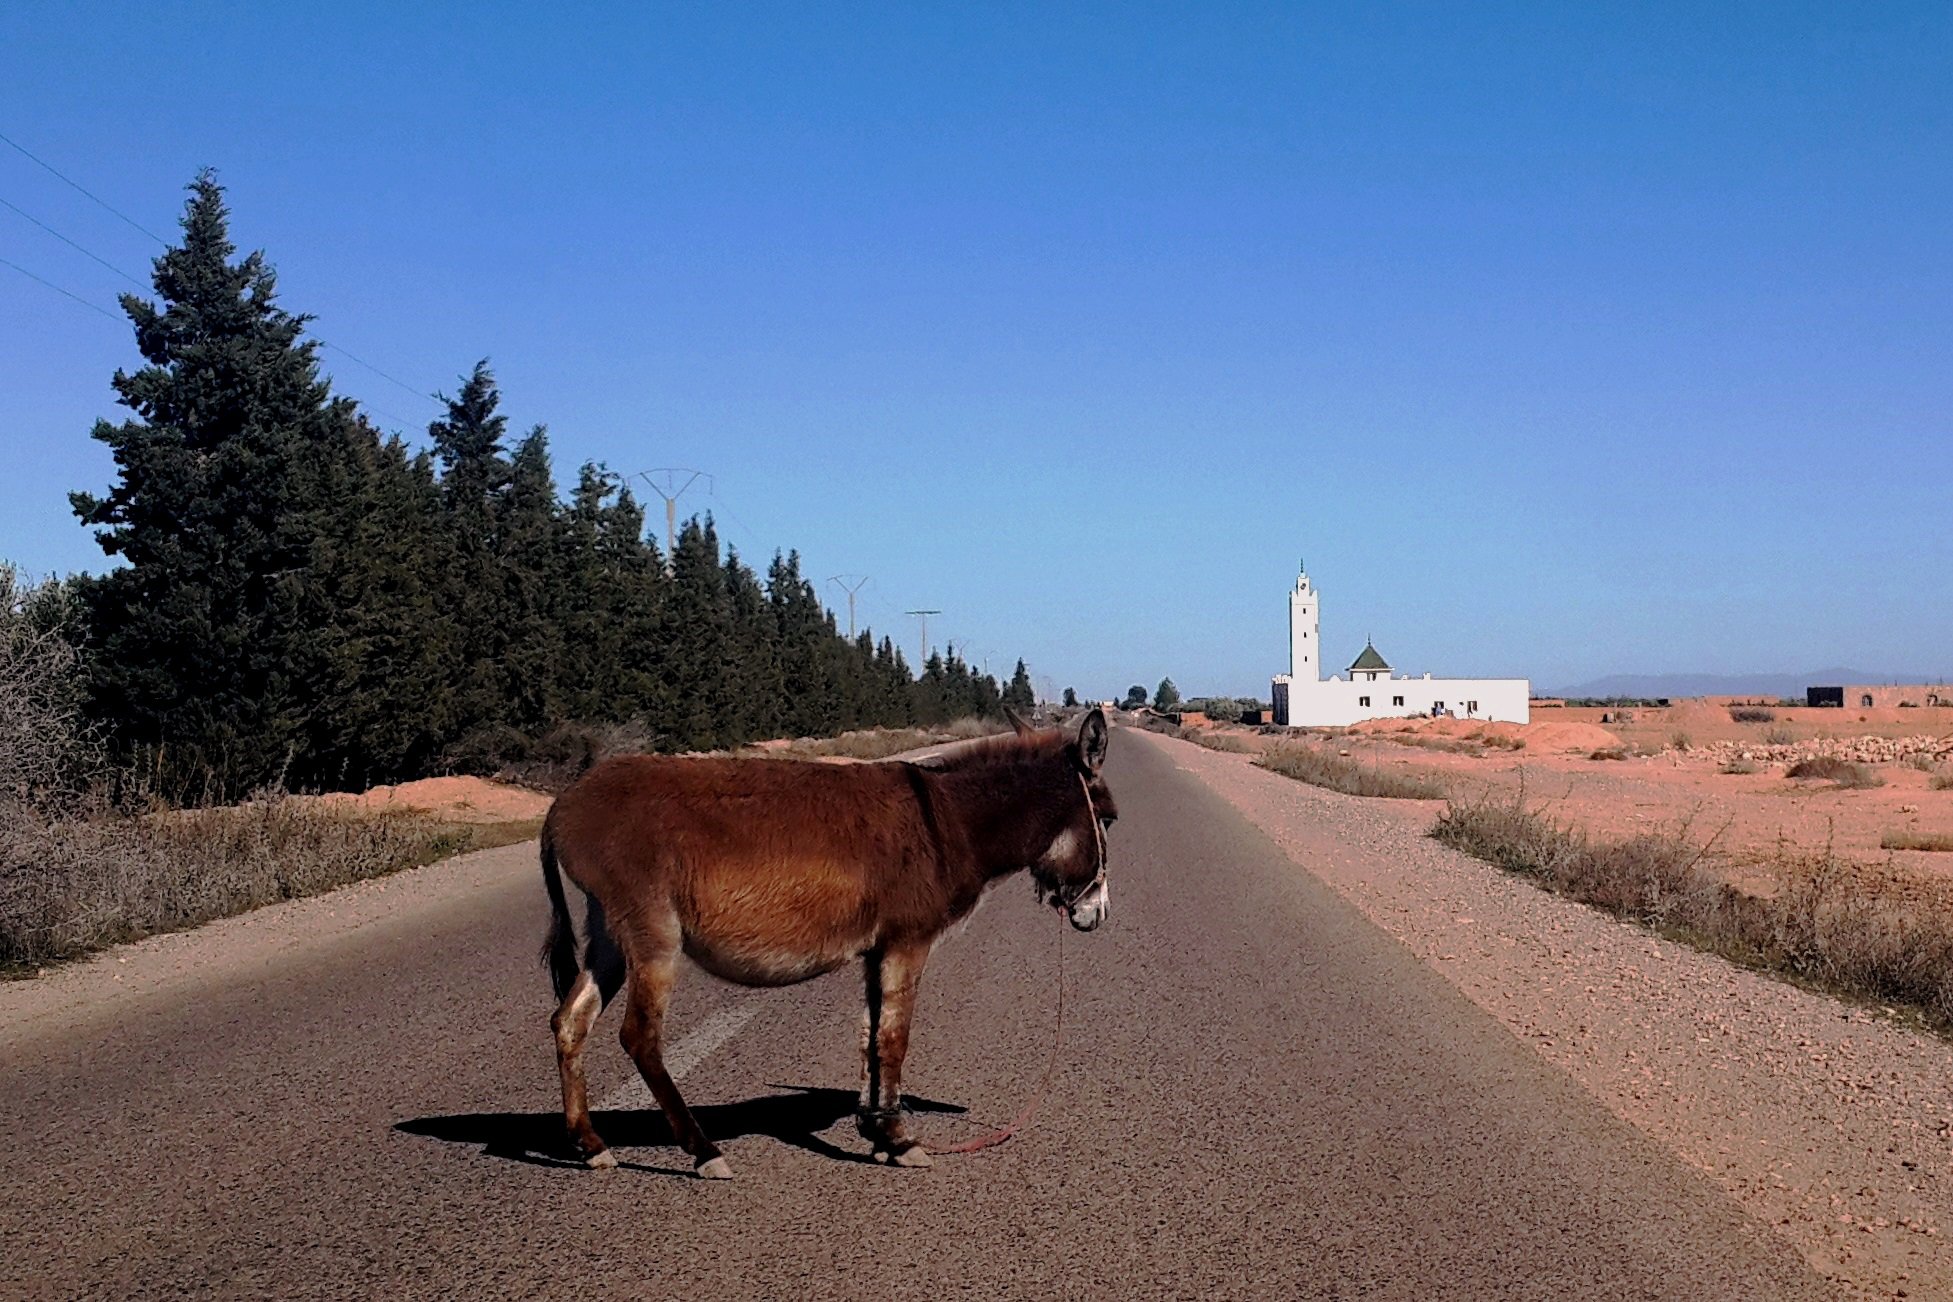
768 872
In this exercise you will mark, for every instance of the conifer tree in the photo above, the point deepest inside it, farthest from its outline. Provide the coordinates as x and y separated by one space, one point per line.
696 639
211 641
531 551
475 480
1071 698
1020 695
1166 695
390 682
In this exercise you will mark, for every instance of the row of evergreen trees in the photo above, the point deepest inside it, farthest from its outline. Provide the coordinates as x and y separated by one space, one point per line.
304 600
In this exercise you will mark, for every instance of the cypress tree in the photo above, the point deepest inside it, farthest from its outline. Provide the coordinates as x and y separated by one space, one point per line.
1020 695
531 549
390 674
210 642
697 638
475 480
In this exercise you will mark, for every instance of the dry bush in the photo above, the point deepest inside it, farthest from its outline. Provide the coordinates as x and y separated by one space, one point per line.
1780 737
880 743
47 753
568 750
1230 742
1751 714
74 885
1923 762
1829 768
1498 741
1680 740
1941 782
1307 764
1830 924
1166 727
1607 753
1739 766
1444 745
1910 840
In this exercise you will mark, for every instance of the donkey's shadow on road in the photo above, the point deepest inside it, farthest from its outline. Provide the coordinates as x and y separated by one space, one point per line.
796 1117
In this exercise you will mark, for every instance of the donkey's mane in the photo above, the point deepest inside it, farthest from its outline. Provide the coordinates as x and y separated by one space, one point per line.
999 750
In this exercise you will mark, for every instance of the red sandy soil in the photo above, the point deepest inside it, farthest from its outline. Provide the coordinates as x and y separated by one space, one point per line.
1671 776
455 799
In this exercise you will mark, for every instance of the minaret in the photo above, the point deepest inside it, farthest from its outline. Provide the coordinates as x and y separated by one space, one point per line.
1304 614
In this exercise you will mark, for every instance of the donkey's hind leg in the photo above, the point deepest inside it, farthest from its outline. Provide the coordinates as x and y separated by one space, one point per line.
650 981
572 1022
595 987
892 973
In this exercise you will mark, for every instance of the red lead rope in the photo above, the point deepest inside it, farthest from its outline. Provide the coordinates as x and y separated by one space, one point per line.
1023 1118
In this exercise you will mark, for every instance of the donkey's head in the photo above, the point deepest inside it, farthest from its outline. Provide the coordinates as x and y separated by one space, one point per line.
1070 871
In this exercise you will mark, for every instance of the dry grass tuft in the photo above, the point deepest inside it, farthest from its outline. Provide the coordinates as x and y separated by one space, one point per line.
1941 782
1830 924
1232 743
1829 768
1752 714
1608 753
68 887
880 743
1908 840
1739 766
1307 764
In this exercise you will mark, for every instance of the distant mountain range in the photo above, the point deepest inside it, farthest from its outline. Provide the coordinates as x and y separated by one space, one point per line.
1778 685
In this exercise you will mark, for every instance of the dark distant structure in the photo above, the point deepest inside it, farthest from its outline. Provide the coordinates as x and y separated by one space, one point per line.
1875 696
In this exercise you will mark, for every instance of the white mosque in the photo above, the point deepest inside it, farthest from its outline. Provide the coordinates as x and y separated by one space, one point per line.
1303 697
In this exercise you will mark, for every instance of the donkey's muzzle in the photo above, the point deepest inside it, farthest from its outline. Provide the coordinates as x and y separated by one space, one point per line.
1090 909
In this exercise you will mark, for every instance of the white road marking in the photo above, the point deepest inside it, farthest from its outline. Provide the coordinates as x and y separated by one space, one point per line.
687 1053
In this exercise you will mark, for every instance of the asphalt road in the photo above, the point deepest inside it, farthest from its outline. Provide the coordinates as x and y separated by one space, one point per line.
1259 1095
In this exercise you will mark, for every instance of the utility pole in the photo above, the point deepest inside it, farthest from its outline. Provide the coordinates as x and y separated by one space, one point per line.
860 581
923 615
671 490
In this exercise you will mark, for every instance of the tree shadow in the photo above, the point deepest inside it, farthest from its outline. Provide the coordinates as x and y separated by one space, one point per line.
795 1117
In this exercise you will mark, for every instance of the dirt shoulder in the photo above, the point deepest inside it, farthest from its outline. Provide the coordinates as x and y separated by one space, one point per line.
1832 1124
76 997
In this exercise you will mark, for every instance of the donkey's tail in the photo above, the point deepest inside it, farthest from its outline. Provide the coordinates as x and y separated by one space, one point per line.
559 946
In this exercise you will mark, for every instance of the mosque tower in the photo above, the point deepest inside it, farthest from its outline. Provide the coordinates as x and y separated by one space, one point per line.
1304 641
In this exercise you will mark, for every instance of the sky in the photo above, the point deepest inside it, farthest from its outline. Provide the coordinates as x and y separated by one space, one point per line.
1561 340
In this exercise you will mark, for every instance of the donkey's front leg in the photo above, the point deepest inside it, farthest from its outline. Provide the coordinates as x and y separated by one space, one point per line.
893 972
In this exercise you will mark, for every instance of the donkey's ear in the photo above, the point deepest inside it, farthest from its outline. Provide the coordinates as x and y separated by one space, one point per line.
1092 740
1017 724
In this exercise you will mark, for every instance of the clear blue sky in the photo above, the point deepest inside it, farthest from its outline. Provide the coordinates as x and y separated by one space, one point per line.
1560 339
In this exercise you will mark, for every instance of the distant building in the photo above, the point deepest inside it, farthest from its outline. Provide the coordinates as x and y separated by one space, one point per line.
1884 696
1304 698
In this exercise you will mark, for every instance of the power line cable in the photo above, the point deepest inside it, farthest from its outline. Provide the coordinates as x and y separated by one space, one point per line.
428 397
92 307
325 343
76 185
94 257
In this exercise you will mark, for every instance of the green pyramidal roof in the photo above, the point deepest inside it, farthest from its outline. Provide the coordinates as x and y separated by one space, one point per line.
1369 659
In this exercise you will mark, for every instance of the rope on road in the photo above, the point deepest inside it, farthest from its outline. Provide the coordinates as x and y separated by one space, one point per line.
1023 1118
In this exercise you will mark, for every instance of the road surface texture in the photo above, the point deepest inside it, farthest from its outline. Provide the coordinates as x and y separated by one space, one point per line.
1260 1094
1831 1121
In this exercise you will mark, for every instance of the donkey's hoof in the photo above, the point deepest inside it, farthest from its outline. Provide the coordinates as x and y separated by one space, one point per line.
601 1160
911 1155
716 1168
